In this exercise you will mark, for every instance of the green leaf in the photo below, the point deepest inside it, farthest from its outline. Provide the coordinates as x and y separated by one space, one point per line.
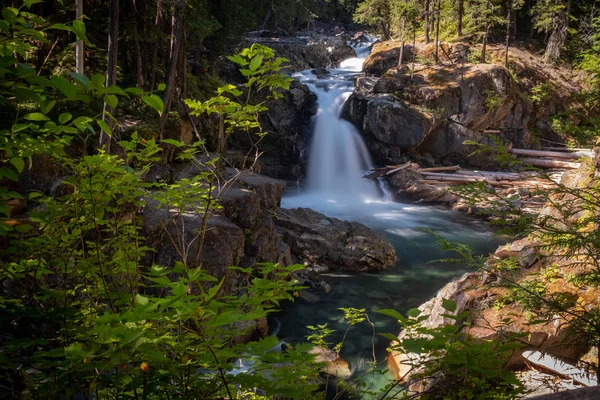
161 87
134 91
36 117
65 86
23 228
111 100
29 3
155 102
98 81
173 142
141 300
18 163
79 30
61 27
47 105
81 79
239 60
413 312
104 126
10 14
34 195
8 173
256 62
23 94
391 313
18 127
449 305
64 118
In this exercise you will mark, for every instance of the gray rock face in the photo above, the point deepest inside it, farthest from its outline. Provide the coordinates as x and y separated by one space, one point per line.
306 52
396 122
439 110
286 123
318 239
241 233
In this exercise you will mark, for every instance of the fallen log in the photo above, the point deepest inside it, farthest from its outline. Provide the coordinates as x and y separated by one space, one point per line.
582 149
439 169
549 363
388 170
453 177
509 176
551 163
400 168
550 154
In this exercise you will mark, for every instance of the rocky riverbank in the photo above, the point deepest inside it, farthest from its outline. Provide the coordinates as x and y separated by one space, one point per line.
551 327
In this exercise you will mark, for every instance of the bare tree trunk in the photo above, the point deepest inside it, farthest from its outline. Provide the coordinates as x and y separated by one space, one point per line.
402 43
183 64
485 33
508 30
513 17
139 74
437 31
558 38
111 67
177 23
427 18
79 49
461 12
264 24
221 136
414 52
154 62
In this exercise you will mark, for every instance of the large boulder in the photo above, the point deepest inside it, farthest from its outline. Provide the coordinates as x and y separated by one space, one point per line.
286 124
338 244
396 122
240 233
439 110
385 55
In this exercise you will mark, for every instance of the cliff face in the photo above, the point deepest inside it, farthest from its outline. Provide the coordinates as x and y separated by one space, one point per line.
430 113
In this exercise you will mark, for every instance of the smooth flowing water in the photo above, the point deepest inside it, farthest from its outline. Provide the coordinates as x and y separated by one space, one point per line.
335 186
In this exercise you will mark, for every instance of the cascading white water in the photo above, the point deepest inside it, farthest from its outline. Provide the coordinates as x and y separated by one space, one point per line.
335 187
338 156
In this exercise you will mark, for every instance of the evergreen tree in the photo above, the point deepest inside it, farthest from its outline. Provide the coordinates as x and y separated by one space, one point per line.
405 14
552 17
376 13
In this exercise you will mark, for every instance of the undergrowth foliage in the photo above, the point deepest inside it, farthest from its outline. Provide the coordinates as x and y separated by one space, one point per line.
83 314
565 233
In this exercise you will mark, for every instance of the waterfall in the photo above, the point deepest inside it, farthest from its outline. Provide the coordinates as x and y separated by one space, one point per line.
338 156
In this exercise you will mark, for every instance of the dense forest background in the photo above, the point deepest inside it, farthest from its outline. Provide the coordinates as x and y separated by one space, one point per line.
108 290
178 42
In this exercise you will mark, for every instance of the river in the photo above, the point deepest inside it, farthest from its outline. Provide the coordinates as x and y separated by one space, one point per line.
335 187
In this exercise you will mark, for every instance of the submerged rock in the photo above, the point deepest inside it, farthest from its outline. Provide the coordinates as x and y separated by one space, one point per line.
338 244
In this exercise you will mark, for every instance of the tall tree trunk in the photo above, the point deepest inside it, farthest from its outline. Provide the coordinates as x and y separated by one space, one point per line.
427 18
111 66
154 62
558 38
513 18
264 24
485 32
139 73
402 43
461 12
183 63
79 49
177 23
437 31
508 30
414 52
